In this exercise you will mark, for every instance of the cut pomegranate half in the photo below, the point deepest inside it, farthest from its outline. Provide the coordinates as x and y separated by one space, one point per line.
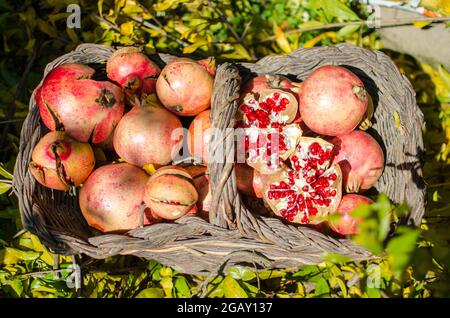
310 189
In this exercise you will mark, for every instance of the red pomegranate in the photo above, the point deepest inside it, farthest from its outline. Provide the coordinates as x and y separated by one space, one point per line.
311 189
267 136
333 100
86 109
148 134
361 160
133 71
348 224
60 162
111 199
249 181
170 192
199 136
185 87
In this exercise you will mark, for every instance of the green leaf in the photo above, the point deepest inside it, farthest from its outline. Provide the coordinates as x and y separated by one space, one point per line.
347 31
5 173
335 258
373 292
151 293
240 272
4 187
400 248
182 287
14 255
232 289
322 288
17 286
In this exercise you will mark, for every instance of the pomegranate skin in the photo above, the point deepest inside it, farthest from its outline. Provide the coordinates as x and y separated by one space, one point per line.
111 199
185 87
333 100
200 135
347 224
361 160
59 161
133 71
248 180
144 136
170 193
86 109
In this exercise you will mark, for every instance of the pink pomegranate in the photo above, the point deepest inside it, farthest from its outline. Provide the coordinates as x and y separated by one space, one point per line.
133 71
262 82
311 189
200 177
60 162
361 160
86 109
348 224
111 199
185 87
200 135
249 181
170 192
333 100
267 136
148 134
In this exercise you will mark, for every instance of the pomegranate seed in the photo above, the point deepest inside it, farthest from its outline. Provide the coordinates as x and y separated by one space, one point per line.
314 148
276 95
332 176
333 193
305 188
313 211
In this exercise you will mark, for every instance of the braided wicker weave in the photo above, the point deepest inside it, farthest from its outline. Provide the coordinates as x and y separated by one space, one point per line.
234 235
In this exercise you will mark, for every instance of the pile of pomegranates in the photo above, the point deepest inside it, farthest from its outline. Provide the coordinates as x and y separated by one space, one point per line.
299 148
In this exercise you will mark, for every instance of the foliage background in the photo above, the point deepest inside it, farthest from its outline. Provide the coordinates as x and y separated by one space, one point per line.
415 263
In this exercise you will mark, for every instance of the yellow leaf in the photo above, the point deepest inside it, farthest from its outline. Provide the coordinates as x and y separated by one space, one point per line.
149 168
193 47
126 28
281 39
167 285
317 39
421 24
46 256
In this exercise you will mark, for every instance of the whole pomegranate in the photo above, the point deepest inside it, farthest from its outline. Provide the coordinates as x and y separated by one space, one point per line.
311 189
361 160
262 82
249 181
185 87
86 109
200 177
333 100
170 192
133 71
111 199
200 135
347 224
268 137
148 134
60 162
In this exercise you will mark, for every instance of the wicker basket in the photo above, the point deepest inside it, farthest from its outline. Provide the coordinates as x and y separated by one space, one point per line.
234 235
